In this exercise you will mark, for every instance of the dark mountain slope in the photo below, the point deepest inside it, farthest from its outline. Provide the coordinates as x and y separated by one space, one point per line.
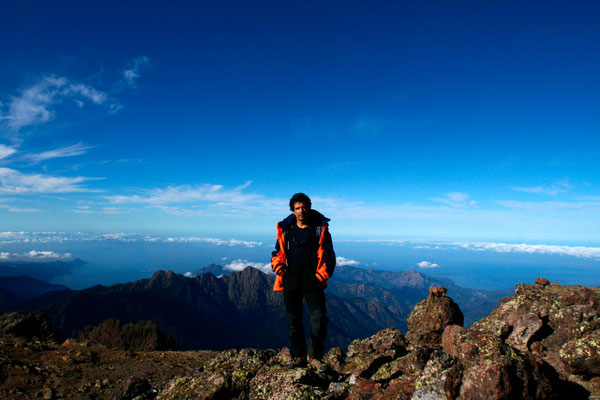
236 310
408 287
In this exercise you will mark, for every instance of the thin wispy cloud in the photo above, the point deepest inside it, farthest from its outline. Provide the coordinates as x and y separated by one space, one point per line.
591 205
49 237
6 151
368 127
455 199
19 209
552 190
203 200
538 190
215 241
69 151
15 182
187 194
136 66
103 210
38 103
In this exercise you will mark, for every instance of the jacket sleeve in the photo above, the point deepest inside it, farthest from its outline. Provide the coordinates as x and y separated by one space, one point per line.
277 257
328 246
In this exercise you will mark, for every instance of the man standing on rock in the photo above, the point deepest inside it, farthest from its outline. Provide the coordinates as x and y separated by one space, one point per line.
303 260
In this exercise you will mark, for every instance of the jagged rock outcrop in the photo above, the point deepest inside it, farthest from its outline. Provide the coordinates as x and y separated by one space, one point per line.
141 336
557 325
428 319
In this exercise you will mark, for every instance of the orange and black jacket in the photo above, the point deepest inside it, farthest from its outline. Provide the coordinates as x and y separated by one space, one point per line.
325 254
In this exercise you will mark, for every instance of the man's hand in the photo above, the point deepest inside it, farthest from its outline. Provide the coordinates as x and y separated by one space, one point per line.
282 271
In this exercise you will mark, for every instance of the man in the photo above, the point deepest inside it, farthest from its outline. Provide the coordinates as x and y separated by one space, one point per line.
303 260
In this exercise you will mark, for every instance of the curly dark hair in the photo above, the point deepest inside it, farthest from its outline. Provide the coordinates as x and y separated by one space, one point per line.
300 198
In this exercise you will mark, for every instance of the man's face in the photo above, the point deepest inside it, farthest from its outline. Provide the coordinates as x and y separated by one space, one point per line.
301 212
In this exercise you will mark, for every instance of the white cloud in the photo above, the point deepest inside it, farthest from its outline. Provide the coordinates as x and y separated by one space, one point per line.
455 199
37 103
46 237
35 255
121 237
187 193
238 265
15 182
345 262
217 242
204 200
427 264
132 74
189 275
6 151
575 251
69 151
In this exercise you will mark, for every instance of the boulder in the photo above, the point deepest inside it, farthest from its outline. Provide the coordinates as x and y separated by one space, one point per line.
429 318
366 356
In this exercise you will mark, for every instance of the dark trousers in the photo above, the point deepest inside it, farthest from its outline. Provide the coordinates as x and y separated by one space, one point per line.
315 299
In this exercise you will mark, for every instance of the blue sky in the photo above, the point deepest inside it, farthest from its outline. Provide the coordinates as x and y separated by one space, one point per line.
420 120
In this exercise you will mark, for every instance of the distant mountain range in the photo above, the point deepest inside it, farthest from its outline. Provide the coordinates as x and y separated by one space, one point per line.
239 309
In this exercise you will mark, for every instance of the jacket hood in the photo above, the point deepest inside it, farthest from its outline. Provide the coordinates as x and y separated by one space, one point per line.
315 218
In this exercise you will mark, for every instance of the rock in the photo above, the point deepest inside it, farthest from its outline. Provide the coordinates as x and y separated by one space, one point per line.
240 366
365 389
337 390
454 343
440 378
366 356
494 370
428 319
555 322
227 375
409 364
136 388
280 383
335 359
204 387
583 355
48 393
524 327
437 291
541 283
29 326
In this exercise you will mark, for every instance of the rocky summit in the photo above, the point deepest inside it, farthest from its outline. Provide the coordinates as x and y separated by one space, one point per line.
540 343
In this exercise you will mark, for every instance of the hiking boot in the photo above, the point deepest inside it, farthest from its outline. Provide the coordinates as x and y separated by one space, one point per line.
297 362
317 364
